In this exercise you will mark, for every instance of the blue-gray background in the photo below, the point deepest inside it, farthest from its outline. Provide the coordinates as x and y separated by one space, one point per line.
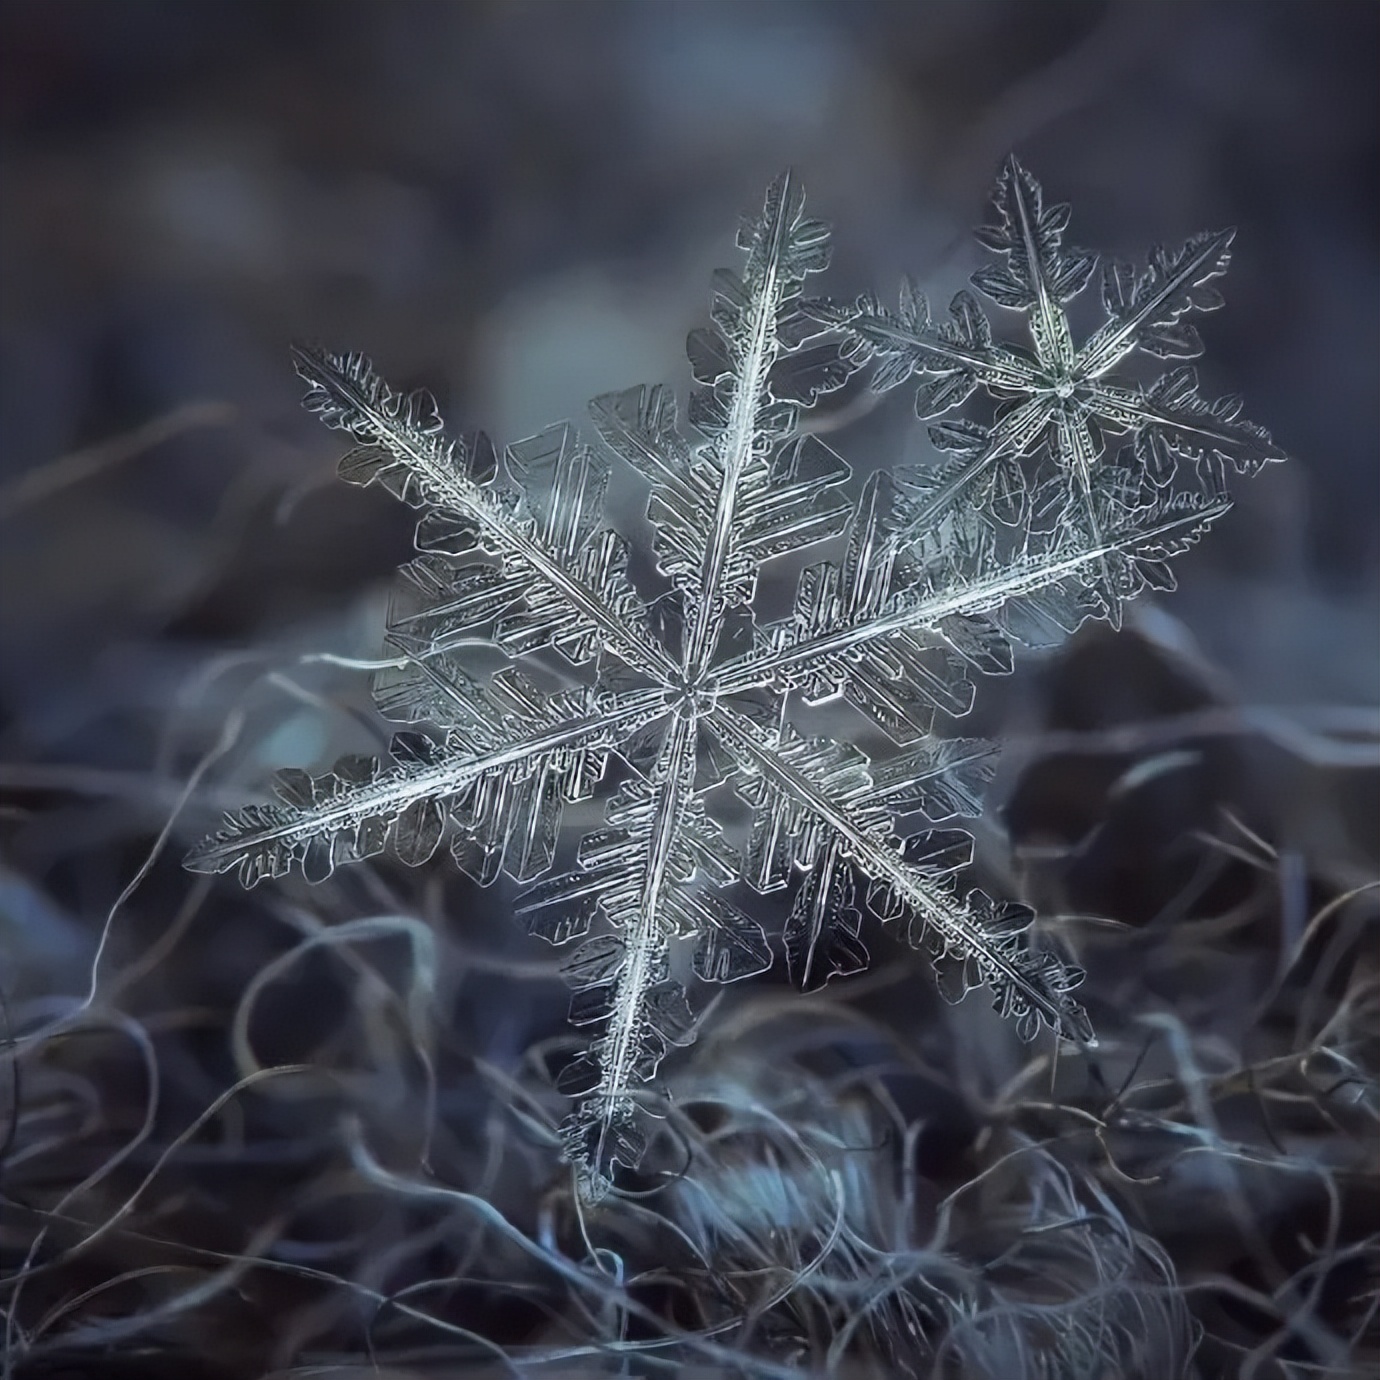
518 203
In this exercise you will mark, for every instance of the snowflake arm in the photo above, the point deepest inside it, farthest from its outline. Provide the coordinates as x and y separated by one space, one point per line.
561 579
986 942
938 778
501 791
653 874
889 629
753 488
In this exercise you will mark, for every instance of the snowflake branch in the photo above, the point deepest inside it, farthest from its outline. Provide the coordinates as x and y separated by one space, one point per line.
402 447
356 811
1027 985
921 607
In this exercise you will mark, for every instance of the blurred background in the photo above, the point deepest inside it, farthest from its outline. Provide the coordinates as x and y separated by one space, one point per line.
518 206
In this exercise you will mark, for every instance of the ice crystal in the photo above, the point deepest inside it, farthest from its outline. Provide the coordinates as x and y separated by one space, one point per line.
1057 400
665 695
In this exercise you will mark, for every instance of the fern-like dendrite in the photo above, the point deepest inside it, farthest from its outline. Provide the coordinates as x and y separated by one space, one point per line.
650 697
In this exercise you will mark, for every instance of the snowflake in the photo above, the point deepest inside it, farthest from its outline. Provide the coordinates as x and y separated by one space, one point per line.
657 686
1059 400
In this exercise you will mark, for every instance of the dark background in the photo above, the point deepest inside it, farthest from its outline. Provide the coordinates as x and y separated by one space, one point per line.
518 205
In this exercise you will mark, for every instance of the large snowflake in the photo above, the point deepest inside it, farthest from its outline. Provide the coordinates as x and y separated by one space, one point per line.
655 683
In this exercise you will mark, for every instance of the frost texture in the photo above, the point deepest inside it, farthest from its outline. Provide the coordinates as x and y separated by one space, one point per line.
652 697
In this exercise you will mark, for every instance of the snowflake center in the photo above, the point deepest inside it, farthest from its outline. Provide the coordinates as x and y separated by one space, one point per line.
692 696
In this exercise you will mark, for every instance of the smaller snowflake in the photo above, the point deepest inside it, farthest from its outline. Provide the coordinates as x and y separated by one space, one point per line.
1058 399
